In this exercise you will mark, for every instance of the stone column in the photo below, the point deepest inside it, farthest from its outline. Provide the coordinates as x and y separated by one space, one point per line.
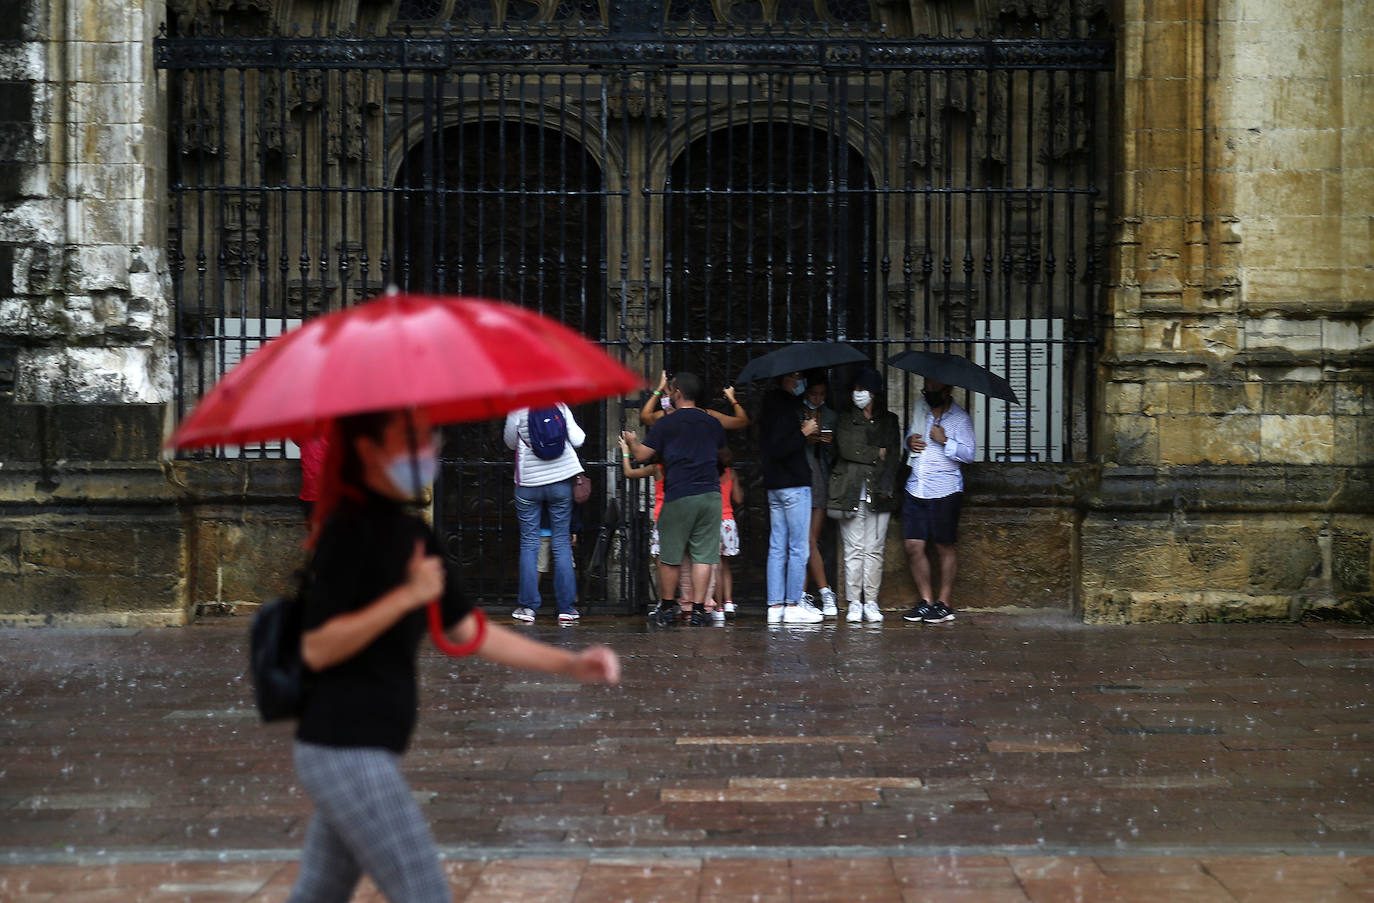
1236 413
84 317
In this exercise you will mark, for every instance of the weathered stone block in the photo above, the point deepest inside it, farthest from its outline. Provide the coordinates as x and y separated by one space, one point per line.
90 600
1351 560
1122 398
1180 398
1233 439
9 551
1131 440
1117 553
1210 558
245 554
1214 398
1282 557
1296 439
1288 192
1303 398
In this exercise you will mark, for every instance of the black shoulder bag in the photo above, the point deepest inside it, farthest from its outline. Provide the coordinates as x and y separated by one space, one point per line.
274 657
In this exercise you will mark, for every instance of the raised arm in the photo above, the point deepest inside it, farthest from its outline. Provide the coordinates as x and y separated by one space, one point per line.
651 411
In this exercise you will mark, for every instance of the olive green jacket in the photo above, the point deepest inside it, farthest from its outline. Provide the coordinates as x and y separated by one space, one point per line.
857 440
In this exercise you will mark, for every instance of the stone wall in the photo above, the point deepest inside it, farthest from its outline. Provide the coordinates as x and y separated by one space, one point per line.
1241 331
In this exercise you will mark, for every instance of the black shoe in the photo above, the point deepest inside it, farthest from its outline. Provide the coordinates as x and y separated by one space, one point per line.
664 615
939 613
918 612
698 616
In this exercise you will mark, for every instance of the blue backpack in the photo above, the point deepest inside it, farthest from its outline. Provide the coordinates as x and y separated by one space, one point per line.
548 433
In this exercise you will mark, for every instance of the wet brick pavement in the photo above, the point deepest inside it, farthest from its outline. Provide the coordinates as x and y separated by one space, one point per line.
1000 758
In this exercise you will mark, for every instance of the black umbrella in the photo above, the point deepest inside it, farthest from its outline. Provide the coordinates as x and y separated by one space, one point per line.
953 370
799 357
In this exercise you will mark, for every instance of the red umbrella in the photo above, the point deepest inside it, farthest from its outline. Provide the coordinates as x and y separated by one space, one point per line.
455 358
458 359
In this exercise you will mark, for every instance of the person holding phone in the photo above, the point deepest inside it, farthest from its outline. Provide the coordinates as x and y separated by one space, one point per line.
820 457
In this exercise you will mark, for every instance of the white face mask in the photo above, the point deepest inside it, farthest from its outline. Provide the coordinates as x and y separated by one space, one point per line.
413 476
810 405
800 387
862 398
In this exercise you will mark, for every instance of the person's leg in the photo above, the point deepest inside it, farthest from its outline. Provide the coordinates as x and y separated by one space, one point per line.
667 580
686 586
798 510
851 538
361 794
949 565
776 571
703 544
875 547
328 872
559 500
815 564
920 568
529 504
672 548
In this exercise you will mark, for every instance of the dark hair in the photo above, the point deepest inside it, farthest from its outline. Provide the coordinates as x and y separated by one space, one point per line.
816 378
690 385
342 474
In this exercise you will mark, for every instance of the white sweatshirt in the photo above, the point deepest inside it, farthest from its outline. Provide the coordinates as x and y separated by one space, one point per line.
532 470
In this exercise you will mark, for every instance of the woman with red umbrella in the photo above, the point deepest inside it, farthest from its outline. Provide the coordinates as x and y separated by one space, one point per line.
375 379
375 566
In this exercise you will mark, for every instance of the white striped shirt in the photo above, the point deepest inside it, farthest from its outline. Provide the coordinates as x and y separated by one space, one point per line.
935 472
532 470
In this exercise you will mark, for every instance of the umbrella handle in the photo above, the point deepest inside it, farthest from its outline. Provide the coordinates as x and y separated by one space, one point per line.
447 646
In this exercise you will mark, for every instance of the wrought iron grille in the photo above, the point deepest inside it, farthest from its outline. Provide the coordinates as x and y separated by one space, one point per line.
689 198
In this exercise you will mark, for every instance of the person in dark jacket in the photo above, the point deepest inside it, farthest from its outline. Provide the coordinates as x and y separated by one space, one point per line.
374 568
783 431
868 447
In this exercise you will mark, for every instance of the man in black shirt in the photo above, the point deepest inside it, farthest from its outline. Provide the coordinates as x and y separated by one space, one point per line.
690 442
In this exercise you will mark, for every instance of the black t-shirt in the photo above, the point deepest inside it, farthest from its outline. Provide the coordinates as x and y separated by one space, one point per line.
688 439
361 555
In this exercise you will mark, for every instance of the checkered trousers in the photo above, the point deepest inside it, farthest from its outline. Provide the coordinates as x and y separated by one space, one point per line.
365 821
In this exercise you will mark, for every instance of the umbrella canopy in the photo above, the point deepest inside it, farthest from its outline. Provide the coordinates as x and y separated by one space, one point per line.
954 370
801 356
457 359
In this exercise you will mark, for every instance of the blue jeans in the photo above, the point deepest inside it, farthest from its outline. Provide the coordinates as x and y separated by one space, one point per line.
789 542
530 502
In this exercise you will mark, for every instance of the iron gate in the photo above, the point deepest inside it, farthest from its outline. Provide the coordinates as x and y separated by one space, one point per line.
690 198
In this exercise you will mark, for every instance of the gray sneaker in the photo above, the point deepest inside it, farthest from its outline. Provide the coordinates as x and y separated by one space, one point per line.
523 614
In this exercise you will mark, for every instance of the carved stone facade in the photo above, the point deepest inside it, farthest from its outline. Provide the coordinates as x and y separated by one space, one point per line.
1234 414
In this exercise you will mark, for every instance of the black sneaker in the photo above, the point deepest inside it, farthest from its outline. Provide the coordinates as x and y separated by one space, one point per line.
918 612
939 613
664 614
698 616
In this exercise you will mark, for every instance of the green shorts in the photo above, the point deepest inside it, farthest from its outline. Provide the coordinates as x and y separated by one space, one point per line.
690 525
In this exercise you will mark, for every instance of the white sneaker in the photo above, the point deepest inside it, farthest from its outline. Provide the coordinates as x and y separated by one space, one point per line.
805 605
775 614
731 608
523 614
828 606
808 599
717 617
871 612
801 614
568 615
856 613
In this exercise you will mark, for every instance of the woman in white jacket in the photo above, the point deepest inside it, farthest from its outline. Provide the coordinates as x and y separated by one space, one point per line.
545 484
